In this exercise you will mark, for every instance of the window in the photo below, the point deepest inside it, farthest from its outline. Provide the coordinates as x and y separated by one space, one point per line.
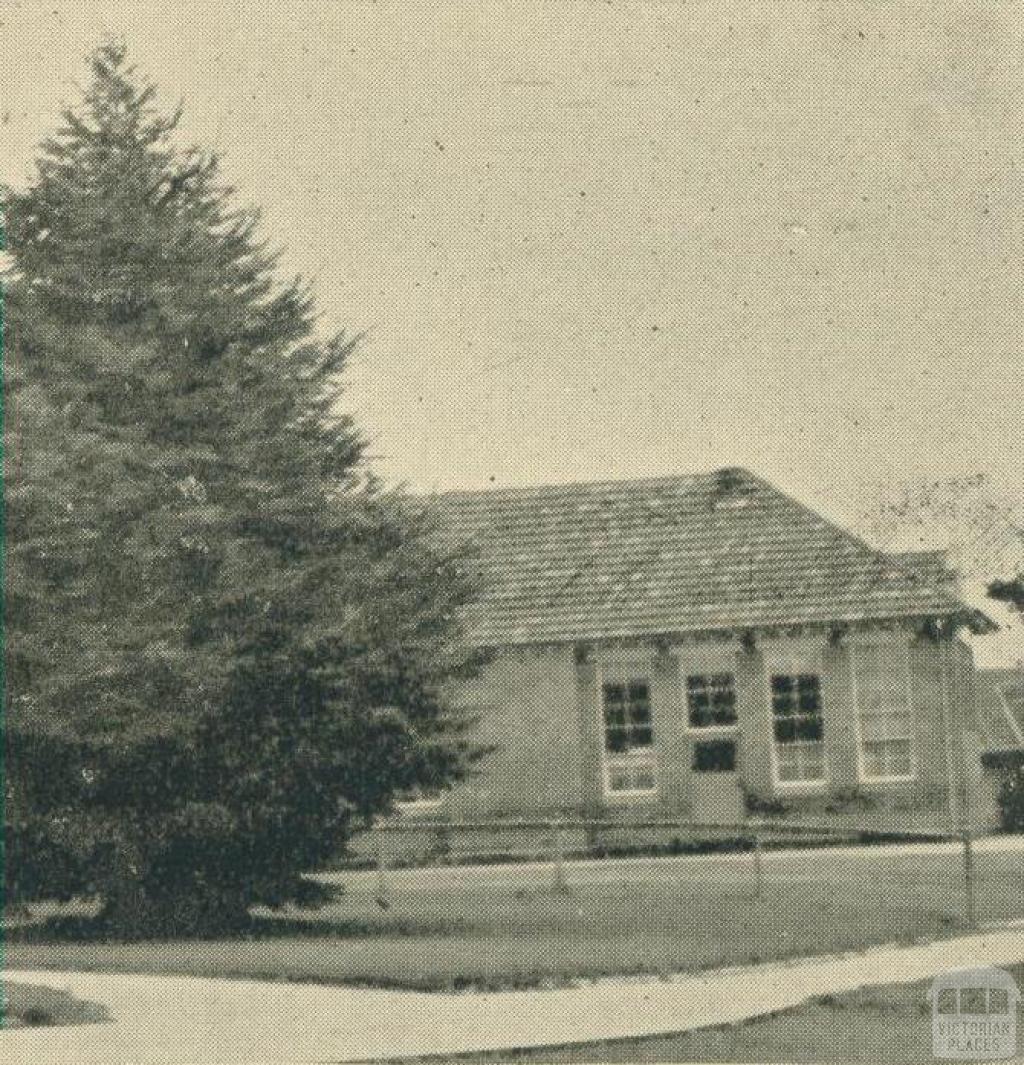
798 727
711 699
627 717
885 720
628 737
714 756
623 777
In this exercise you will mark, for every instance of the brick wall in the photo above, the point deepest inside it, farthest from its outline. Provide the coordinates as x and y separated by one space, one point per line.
540 709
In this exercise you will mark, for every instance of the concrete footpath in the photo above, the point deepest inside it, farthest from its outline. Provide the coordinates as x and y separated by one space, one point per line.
188 1021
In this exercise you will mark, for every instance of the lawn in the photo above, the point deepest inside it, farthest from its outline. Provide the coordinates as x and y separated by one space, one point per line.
504 926
890 1024
26 1005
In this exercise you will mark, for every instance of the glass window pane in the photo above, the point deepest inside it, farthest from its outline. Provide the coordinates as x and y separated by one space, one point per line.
642 737
643 778
716 756
782 684
874 764
640 777
814 761
639 713
782 706
618 780
809 691
785 730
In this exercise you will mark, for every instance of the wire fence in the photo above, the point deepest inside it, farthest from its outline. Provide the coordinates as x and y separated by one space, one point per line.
558 849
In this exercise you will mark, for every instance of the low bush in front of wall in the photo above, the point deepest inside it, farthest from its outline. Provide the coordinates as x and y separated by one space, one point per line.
1008 768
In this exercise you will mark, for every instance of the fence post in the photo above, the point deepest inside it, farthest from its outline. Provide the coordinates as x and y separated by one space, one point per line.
382 880
558 858
970 907
444 845
758 866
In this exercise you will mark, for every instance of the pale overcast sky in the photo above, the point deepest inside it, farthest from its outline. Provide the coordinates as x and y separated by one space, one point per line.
602 240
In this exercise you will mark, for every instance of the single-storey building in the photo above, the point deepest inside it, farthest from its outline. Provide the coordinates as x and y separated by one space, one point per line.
708 648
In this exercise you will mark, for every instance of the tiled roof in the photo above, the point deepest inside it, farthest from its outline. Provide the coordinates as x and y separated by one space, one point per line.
723 550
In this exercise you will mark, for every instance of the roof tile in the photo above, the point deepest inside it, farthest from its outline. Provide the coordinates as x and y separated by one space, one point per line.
673 555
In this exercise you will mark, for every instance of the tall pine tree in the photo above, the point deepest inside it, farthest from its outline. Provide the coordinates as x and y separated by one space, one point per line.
227 644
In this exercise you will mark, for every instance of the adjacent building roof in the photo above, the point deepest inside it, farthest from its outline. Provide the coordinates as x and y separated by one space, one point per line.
1000 708
674 555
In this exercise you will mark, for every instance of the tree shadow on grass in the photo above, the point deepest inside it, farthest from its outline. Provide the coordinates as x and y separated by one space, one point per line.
32 1006
93 928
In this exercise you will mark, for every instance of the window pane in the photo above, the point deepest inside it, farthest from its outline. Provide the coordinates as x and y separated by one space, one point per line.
643 778
788 766
627 716
785 731
638 690
711 700
640 713
809 691
639 777
700 706
618 780
642 737
782 685
884 712
998 1000
901 763
783 706
808 728
887 758
716 756
873 728
800 761
874 764
814 762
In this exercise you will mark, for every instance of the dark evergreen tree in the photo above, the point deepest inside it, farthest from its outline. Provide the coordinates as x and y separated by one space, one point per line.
227 644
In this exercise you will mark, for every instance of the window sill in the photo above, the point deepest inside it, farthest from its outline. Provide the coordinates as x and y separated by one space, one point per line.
801 787
882 782
630 796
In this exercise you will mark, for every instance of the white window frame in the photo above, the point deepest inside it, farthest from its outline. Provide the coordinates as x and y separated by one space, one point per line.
709 733
636 757
895 648
785 663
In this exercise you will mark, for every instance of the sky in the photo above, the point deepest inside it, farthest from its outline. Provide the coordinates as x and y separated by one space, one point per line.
602 240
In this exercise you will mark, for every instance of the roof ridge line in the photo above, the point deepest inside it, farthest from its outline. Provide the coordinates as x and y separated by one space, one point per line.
555 486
